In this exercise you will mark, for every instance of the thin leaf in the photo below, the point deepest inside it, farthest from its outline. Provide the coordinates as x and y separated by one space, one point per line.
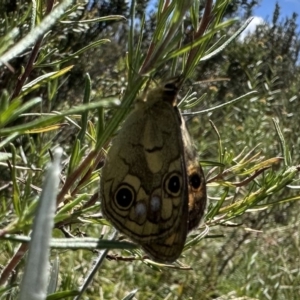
245 96
35 277
95 268
232 38
38 82
96 20
52 286
86 100
49 120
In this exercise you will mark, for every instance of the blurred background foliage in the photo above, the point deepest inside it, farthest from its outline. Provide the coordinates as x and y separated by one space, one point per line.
257 253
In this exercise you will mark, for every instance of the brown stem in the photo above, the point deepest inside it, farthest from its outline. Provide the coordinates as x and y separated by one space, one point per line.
92 201
13 263
87 175
237 184
132 258
74 176
200 31
250 178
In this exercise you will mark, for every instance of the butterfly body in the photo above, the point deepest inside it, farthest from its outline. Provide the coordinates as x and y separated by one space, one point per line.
145 187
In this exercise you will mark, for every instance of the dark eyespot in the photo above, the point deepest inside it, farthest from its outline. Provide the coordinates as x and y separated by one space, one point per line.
195 181
170 90
124 196
173 184
171 86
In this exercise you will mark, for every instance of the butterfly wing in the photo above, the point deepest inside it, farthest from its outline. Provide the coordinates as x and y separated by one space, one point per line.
196 181
143 184
152 186
168 249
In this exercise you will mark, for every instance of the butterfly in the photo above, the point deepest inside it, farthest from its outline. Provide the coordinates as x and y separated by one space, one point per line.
152 186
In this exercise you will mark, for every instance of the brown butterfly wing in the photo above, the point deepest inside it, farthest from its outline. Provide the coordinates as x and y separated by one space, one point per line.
143 184
169 249
152 187
196 181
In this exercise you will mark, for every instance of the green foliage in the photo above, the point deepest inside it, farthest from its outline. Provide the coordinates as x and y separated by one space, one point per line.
64 87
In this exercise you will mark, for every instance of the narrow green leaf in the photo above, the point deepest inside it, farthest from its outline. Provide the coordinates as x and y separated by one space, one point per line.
284 147
35 277
62 295
16 189
38 82
96 20
6 115
75 157
7 140
76 54
13 115
52 119
86 100
53 282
